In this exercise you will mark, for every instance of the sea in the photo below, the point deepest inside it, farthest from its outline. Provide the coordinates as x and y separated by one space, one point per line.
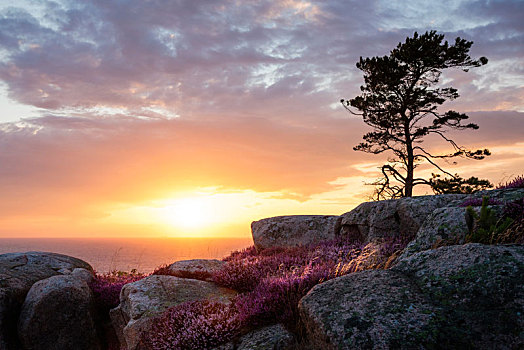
126 254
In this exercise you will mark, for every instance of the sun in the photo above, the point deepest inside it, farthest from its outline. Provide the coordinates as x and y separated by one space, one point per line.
188 213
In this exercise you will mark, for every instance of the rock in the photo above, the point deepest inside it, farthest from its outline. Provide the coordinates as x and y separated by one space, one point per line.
148 297
83 274
469 296
274 337
58 313
294 230
503 195
396 218
269 338
201 269
448 223
378 309
480 289
18 272
446 226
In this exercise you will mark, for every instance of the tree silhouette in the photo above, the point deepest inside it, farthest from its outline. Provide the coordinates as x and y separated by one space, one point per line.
400 102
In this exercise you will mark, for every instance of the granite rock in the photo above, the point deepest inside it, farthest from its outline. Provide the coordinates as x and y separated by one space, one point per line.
140 301
59 313
294 230
18 272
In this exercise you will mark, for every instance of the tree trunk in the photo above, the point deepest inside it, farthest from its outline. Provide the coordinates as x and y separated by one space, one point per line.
408 188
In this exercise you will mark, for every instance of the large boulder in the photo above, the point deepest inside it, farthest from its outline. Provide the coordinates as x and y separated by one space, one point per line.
443 224
469 296
59 313
140 301
390 219
18 272
450 224
480 289
201 269
274 337
294 230
375 309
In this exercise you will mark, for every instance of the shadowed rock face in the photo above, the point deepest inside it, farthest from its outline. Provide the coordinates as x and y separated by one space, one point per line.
18 273
366 310
140 301
374 221
292 231
274 337
448 223
59 313
468 296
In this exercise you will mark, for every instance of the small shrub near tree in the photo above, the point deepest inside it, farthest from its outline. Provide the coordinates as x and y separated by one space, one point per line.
485 227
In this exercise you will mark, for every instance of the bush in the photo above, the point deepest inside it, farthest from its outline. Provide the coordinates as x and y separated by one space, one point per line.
477 202
271 283
193 325
106 287
517 182
485 227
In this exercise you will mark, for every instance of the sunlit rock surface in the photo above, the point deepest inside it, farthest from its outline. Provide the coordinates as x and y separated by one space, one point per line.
294 230
201 269
146 298
395 218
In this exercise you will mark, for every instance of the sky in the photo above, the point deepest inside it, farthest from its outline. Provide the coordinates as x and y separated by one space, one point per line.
193 118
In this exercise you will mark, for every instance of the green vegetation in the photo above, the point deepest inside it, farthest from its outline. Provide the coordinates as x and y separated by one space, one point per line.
485 227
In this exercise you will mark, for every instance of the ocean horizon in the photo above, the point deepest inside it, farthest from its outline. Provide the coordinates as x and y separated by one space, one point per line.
125 254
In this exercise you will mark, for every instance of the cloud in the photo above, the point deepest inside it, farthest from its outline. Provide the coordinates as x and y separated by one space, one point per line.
76 163
193 59
144 99
66 160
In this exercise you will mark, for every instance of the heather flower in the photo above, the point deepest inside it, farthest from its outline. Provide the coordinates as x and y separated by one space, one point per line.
514 209
477 202
106 287
271 283
517 182
193 325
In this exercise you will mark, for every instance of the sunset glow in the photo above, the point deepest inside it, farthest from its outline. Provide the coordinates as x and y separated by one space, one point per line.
200 117
188 213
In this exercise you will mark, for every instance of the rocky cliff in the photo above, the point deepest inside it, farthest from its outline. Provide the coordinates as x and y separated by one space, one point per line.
401 274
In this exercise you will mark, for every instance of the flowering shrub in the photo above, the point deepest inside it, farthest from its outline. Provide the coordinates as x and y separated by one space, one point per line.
276 299
245 271
193 325
477 202
514 209
106 287
271 283
517 182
